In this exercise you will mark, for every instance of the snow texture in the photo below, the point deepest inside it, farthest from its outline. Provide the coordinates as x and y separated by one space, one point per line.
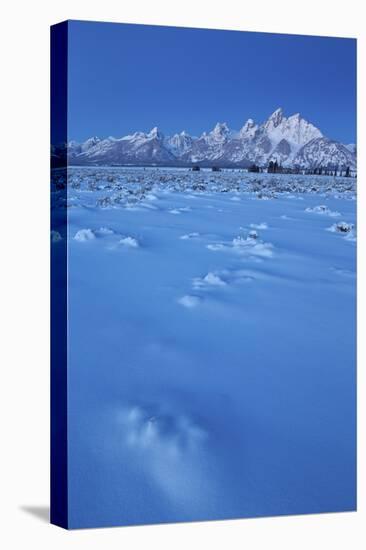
84 235
211 366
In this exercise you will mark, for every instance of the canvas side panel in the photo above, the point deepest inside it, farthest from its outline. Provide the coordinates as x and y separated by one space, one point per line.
59 492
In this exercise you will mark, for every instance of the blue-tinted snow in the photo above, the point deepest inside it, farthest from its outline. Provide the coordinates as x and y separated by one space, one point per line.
212 345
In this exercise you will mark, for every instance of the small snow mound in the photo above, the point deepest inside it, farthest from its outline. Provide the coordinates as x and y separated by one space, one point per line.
55 237
211 279
345 229
262 225
264 250
150 428
189 236
84 235
322 209
189 301
245 246
129 242
248 241
341 227
105 231
251 246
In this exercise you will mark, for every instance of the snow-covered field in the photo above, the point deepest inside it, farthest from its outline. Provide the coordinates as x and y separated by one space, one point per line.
211 344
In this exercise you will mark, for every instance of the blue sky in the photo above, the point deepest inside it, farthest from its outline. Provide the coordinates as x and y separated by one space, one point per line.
124 78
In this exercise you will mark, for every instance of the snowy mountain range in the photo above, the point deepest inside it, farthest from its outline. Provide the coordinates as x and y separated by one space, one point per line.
291 141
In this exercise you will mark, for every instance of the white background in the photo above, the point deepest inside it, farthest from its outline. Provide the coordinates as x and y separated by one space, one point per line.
24 256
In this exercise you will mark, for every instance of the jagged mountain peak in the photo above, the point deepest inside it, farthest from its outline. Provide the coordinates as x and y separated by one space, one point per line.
325 152
295 130
249 129
218 135
295 116
220 129
277 112
249 123
92 141
292 141
275 118
155 133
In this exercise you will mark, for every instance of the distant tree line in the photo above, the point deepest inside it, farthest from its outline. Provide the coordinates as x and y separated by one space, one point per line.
275 168
325 171
255 168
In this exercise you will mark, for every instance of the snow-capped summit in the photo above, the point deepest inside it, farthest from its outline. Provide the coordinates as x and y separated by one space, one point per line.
292 141
179 144
89 143
220 132
155 133
295 117
249 129
133 137
299 131
295 130
274 120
